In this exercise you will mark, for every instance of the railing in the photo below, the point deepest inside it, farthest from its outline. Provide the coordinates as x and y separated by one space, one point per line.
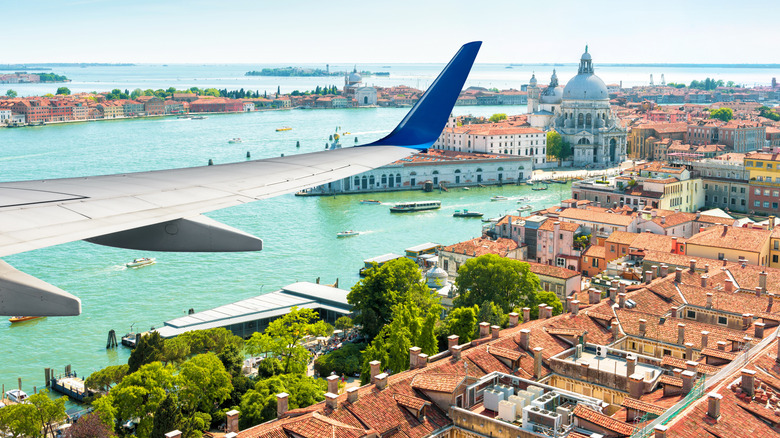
695 393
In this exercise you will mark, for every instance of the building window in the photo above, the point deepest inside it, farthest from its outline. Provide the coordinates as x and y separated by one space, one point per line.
757 191
667 352
691 314
756 203
774 258
446 265
766 204
722 320
721 256
595 262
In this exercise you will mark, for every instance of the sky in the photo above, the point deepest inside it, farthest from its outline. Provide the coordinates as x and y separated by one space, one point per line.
398 31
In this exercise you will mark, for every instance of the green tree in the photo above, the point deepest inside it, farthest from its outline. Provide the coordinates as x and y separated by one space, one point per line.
167 418
212 92
204 383
345 360
724 114
139 395
492 314
89 426
373 297
557 147
214 340
65 91
259 404
283 337
507 283
47 411
11 93
136 93
232 360
545 297
495 118
462 321
175 350
344 323
108 376
150 349
19 421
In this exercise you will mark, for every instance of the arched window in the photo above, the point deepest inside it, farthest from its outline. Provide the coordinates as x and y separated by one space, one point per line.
384 179
583 141
371 181
580 120
364 183
457 170
398 179
588 120
365 100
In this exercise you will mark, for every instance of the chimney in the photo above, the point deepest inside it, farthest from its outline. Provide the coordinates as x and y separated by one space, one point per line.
456 351
584 367
422 360
333 383
674 312
375 369
636 385
713 405
676 372
762 281
567 304
332 400
660 431
494 331
630 364
542 311
538 362
722 345
352 394
678 275
760 330
689 350
692 265
691 366
525 337
594 296
613 292
615 329
173 434
232 418
687 378
747 318
452 340
281 403
680 333
707 268
575 307
663 220
526 314
729 285
622 287
414 354
748 379
725 261
704 280
704 339
709 299
622 300
758 292
484 329
514 318
664 270
648 276
777 359
654 268
381 381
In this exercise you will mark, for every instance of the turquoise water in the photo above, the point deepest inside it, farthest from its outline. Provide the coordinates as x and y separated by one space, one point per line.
299 232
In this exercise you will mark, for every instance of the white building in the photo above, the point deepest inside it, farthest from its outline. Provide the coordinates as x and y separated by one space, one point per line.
365 96
5 116
503 139
440 168
249 106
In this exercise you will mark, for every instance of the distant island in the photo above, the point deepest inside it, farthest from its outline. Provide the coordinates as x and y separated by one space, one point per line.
293 71
31 78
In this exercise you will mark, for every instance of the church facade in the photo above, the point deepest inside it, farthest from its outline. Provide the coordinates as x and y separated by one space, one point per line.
581 114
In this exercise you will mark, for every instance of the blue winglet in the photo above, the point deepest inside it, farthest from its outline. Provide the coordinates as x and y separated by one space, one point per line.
425 121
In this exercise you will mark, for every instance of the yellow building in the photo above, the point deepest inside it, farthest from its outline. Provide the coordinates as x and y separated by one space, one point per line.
732 244
764 174
774 247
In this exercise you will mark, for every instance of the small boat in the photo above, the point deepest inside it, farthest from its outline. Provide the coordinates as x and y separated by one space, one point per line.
369 201
347 233
525 207
143 261
183 116
466 213
529 182
539 188
492 219
14 319
347 133
499 198
16 395
466 188
283 128
545 182
199 117
235 140
523 199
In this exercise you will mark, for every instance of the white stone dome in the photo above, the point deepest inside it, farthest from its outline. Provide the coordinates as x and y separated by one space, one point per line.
436 278
552 96
586 86
355 77
532 82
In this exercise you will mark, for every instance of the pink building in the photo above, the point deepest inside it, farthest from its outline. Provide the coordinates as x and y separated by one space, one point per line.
555 244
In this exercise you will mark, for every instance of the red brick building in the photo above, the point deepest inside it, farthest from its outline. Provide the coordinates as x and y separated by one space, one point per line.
216 105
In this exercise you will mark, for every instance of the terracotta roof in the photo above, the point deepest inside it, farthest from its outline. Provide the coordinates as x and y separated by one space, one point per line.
505 353
549 225
639 405
602 420
744 239
670 380
712 352
415 403
480 246
436 382
552 271
622 237
596 217
673 362
596 252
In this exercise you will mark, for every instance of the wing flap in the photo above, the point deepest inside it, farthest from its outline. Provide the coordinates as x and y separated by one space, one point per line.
24 295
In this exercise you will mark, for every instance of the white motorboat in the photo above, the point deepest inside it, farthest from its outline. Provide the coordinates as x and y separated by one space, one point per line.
16 395
499 198
235 140
347 233
143 261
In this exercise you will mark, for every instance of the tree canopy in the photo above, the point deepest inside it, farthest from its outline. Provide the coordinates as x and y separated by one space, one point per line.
11 93
495 118
769 113
65 91
505 282
462 321
724 114
557 147
374 297
259 404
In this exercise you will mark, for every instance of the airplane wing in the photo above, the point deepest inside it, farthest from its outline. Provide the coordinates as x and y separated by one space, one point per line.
161 210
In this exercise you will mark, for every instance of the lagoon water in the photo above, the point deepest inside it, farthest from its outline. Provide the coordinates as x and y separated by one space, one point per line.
299 232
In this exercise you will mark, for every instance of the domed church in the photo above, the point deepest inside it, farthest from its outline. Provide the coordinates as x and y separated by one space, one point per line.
582 115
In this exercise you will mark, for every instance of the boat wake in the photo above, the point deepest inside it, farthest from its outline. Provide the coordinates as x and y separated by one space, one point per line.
370 132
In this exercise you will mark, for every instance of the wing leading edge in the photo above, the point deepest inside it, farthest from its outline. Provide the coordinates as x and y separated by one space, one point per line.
160 210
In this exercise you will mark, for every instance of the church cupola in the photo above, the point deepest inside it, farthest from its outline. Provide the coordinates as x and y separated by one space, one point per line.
586 64
532 82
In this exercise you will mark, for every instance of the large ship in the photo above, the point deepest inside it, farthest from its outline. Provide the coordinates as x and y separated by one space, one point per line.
406 207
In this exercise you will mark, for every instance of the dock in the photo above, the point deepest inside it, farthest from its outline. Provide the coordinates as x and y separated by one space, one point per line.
71 385
254 314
